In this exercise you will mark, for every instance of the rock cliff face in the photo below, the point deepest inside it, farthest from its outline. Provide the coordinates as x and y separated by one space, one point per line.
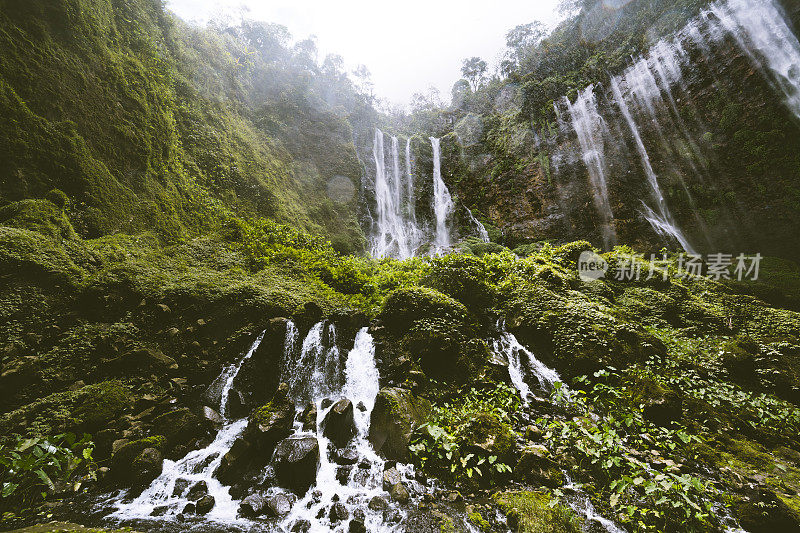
693 141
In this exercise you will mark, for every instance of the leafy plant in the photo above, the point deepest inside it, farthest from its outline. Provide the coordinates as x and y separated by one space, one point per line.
31 469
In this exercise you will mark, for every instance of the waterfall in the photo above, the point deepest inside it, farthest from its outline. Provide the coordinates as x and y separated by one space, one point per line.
395 232
479 228
591 129
661 220
763 33
364 481
412 209
168 492
442 202
523 365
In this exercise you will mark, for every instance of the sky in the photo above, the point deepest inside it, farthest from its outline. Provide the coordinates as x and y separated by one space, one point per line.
407 46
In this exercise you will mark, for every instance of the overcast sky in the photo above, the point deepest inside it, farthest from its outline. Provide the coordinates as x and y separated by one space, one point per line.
407 46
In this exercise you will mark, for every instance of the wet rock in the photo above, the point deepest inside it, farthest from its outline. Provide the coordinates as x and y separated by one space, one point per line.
378 504
338 512
309 417
361 407
180 486
339 425
147 359
296 462
396 414
205 504
278 506
343 474
327 402
147 466
762 511
234 461
399 493
357 526
535 467
198 491
159 510
391 477
347 456
211 416
179 426
189 508
365 464
301 526
252 505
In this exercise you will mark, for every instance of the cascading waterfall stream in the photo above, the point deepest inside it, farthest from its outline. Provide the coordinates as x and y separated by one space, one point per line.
442 201
591 130
661 219
167 494
523 365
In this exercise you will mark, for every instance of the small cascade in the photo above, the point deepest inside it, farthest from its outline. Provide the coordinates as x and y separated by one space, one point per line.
442 201
660 218
591 130
582 505
764 34
317 372
523 365
353 486
479 228
167 494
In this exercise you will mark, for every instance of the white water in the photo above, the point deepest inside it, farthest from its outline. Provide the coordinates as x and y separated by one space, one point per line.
591 130
395 235
360 387
660 218
412 209
480 228
581 504
523 365
764 34
442 201
197 466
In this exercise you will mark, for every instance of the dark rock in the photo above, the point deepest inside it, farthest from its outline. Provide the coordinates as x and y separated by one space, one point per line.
399 493
357 526
361 407
536 467
762 511
391 477
211 416
347 456
665 409
278 506
234 462
327 402
252 505
296 462
338 512
180 426
339 425
365 464
301 526
205 504
147 359
378 504
197 491
343 474
147 466
159 510
180 486
396 414
309 417
189 508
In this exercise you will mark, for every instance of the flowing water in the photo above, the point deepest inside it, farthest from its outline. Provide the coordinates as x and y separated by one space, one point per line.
167 494
442 201
592 131
523 365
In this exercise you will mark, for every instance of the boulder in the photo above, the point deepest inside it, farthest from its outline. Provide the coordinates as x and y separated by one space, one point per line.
211 416
296 461
347 456
253 505
357 526
338 512
179 426
205 504
148 359
762 511
396 414
278 505
309 417
536 468
339 425
399 493
665 409
391 477
378 504
146 466
198 491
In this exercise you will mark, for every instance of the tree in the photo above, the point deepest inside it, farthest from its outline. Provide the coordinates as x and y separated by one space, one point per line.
460 93
519 41
474 70
364 81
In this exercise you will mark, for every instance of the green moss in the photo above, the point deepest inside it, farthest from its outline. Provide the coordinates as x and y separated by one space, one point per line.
403 307
533 513
478 520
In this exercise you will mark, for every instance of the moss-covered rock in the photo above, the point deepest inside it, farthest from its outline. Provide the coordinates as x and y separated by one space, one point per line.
396 414
531 512
404 307
488 435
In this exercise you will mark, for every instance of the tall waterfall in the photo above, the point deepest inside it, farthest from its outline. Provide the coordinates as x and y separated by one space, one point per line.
660 219
442 202
764 34
395 234
412 209
591 130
